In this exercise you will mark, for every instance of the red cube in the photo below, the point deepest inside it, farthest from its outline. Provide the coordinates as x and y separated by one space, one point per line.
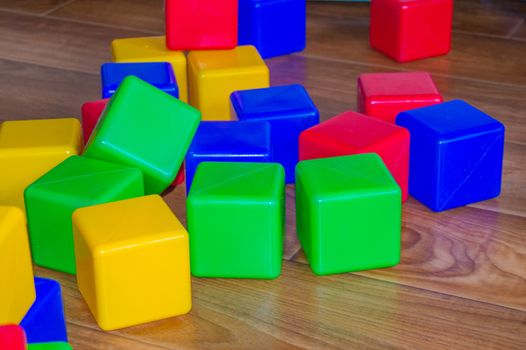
12 337
408 30
384 95
355 133
201 24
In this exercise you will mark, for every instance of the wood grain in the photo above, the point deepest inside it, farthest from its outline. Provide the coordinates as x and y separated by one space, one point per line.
31 6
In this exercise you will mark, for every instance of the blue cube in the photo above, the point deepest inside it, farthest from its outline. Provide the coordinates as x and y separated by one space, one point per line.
231 141
289 110
455 154
274 27
45 322
158 74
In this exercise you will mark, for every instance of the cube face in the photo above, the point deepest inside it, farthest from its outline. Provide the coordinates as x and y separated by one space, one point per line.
12 338
16 272
49 346
242 236
90 115
289 110
214 75
384 95
408 30
456 154
273 27
355 133
133 262
339 201
201 25
228 142
145 128
153 49
75 183
30 148
158 74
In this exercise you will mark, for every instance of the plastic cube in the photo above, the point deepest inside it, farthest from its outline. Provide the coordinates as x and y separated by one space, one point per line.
214 75
49 346
158 74
289 109
348 212
153 49
228 142
133 262
17 291
145 128
407 30
201 24
236 215
384 95
354 133
456 154
45 321
30 148
12 337
274 27
75 183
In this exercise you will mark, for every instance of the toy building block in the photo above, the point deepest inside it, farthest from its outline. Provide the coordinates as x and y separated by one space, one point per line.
201 24
12 337
354 133
145 128
228 142
408 30
384 95
274 27
214 75
45 321
456 154
236 220
348 212
17 291
158 74
75 183
153 49
289 109
29 148
133 262
49 346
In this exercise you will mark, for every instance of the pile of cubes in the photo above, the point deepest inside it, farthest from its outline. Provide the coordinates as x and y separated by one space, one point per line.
90 192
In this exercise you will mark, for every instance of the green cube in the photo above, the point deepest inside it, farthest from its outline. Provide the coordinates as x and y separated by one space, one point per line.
236 218
145 128
50 201
348 212
49 346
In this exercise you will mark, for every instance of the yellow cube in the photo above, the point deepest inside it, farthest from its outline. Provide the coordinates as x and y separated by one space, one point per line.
29 149
17 287
133 263
214 75
152 49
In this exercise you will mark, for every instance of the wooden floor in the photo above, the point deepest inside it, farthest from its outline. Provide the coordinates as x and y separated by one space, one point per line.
462 280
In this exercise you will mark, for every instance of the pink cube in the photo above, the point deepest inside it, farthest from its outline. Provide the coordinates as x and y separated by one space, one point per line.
384 95
12 337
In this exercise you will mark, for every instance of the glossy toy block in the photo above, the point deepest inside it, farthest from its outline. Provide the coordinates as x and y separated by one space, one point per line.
145 128
133 261
354 133
201 24
274 27
29 148
45 321
158 74
12 337
17 291
384 95
244 209
228 142
348 212
153 49
289 109
50 346
456 154
407 30
214 75
75 183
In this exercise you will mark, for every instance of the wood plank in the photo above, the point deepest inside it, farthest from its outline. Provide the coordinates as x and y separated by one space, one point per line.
300 310
520 33
31 6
